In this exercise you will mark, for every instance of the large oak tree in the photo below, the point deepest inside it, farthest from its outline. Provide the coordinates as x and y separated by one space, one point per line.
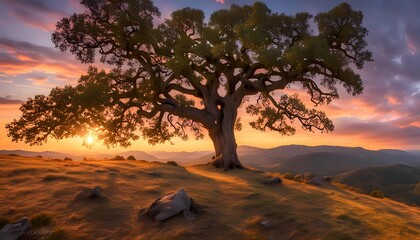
187 74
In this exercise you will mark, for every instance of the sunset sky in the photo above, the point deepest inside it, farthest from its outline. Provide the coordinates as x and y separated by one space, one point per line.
387 115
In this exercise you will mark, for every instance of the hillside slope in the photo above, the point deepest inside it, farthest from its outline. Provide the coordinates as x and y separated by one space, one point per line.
323 160
397 181
236 203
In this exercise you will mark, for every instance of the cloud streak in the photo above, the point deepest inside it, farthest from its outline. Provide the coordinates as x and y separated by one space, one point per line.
8 100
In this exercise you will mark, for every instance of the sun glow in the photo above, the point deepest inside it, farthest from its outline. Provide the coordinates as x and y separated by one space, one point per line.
90 140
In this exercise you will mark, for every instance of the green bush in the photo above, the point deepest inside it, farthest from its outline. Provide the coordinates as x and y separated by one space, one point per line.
41 220
288 176
131 157
118 157
173 163
377 194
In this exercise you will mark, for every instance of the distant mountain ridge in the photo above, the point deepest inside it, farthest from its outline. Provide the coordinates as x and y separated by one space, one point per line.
139 155
328 160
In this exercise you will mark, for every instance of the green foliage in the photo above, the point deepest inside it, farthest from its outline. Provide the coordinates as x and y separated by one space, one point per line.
289 176
173 163
185 74
41 220
118 157
377 194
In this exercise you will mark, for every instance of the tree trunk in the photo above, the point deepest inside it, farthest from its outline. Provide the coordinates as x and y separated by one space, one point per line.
223 137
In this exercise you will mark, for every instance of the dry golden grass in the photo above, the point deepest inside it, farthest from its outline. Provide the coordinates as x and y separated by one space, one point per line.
235 203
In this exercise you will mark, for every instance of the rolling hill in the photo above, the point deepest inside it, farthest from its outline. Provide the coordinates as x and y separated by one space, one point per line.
236 204
398 181
323 160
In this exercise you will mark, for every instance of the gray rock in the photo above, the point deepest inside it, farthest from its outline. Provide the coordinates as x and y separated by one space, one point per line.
315 181
299 177
271 180
13 231
307 177
96 192
266 223
171 204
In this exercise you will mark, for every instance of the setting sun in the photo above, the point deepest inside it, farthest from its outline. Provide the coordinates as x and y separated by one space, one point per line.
89 140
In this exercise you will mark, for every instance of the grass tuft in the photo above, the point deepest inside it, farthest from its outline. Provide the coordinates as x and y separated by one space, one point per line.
41 220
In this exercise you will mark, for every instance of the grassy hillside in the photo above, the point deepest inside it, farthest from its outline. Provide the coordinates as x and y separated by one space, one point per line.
397 181
235 203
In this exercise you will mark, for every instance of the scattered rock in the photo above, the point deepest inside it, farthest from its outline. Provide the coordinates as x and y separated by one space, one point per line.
13 231
266 223
299 177
327 179
307 177
96 192
171 204
271 180
173 163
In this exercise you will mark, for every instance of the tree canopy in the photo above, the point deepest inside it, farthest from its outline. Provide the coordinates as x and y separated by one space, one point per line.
188 74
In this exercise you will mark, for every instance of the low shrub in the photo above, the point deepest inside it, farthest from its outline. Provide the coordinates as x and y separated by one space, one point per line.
288 176
131 157
67 159
118 157
41 220
173 163
377 194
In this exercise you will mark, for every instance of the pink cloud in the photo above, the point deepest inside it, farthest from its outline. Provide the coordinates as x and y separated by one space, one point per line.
220 1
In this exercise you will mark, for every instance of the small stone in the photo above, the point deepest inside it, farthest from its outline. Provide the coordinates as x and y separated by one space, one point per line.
266 223
308 176
299 177
271 180
96 192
